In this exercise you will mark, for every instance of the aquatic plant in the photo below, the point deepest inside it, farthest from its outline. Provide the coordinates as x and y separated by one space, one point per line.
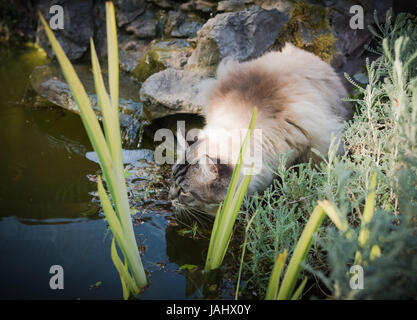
109 151
228 210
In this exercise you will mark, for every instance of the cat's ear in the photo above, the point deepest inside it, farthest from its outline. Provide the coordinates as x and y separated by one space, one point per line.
209 167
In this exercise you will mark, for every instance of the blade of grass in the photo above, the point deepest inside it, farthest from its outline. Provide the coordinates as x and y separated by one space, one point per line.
87 114
129 251
300 289
333 215
113 141
108 151
273 286
300 252
243 253
113 69
368 212
236 204
127 282
113 57
226 216
104 103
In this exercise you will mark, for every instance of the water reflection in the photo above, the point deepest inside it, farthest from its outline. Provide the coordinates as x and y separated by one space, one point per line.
47 217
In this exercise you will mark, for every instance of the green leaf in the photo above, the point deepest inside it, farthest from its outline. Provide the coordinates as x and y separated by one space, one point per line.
108 149
299 254
190 267
299 291
273 286
227 212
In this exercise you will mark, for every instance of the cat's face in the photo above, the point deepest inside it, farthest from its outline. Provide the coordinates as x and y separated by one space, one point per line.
200 185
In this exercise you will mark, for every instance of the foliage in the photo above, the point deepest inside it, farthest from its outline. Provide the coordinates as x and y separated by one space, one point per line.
286 290
380 141
109 151
228 210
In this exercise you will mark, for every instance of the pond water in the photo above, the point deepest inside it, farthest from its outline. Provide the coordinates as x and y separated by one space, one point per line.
47 216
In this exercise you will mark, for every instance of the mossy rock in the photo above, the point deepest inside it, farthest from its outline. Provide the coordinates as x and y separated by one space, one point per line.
309 28
161 55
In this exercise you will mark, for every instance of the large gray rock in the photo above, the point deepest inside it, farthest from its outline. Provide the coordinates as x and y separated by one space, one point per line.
172 91
243 35
351 42
78 27
129 10
50 85
144 26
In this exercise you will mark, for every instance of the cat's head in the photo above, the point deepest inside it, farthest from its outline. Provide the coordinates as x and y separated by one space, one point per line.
199 183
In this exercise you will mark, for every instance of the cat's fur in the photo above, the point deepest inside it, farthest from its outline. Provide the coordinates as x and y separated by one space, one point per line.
299 107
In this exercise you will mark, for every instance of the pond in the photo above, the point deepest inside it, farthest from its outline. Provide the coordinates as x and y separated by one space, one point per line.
47 216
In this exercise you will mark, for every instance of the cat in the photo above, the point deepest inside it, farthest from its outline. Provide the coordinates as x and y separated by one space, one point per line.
299 101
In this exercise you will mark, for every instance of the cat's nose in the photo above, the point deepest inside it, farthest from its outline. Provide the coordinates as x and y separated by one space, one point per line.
173 192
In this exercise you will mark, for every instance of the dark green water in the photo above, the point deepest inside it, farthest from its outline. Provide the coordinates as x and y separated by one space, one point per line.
46 215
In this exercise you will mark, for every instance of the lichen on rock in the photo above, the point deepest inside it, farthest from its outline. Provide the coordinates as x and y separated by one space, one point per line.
161 55
309 28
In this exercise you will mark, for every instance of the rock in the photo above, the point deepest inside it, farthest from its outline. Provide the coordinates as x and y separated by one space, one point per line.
78 27
351 43
144 26
165 4
231 5
280 5
129 10
179 25
242 35
198 6
172 91
131 50
49 83
309 29
100 36
161 55
128 156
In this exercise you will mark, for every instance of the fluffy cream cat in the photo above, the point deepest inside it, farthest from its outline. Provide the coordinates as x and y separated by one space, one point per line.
299 107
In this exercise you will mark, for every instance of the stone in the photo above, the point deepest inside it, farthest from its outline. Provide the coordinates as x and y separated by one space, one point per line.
198 6
179 25
160 55
128 156
280 5
144 26
48 82
172 91
309 29
129 10
131 50
241 35
78 28
351 43
165 4
231 5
